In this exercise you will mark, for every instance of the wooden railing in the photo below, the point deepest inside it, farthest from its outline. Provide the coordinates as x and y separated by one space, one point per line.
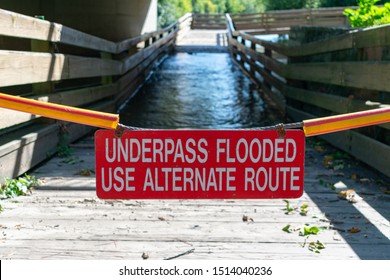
345 73
50 62
279 22
208 21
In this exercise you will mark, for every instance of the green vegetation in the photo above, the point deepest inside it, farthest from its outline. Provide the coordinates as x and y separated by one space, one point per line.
17 187
368 14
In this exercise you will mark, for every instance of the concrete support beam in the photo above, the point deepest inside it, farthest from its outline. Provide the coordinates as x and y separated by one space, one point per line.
114 20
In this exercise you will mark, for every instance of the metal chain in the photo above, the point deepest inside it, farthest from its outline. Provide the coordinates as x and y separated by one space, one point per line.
280 128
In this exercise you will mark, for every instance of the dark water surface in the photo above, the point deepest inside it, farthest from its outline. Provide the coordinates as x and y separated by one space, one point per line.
202 90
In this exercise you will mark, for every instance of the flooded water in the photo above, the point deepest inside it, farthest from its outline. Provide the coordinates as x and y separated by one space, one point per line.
201 90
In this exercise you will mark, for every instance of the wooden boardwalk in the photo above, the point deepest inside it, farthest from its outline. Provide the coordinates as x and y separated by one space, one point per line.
63 219
196 40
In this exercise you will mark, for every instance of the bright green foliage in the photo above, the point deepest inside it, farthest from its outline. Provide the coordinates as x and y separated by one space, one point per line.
170 10
309 230
17 187
368 14
316 246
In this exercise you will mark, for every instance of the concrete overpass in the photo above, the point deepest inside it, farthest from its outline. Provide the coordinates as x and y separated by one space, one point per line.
114 20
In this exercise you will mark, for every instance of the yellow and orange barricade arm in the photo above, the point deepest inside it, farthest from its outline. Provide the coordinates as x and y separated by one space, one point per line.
346 121
60 112
111 121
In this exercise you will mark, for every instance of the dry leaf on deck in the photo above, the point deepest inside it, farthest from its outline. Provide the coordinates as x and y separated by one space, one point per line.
350 195
354 230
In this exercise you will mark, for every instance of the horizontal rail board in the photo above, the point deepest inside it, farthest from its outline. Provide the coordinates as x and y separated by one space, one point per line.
349 74
18 68
17 25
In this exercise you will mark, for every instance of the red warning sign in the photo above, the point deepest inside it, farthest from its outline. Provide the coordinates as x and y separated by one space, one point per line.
199 164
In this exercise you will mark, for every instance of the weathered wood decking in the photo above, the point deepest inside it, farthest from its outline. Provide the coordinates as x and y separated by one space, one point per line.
63 219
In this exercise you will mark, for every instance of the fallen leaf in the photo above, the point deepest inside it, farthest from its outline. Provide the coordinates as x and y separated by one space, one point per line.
350 195
354 230
304 209
316 246
85 172
309 230
319 149
328 160
287 229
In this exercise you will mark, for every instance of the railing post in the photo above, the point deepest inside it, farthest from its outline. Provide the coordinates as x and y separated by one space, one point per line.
253 62
106 79
48 47
268 53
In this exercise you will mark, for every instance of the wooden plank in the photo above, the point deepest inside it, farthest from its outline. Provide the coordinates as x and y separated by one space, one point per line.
261 31
83 67
18 25
330 102
23 152
18 68
80 39
159 250
366 38
349 74
335 43
10 118
371 152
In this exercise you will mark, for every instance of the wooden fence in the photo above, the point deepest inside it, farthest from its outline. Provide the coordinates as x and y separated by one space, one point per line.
50 62
342 74
280 22
208 21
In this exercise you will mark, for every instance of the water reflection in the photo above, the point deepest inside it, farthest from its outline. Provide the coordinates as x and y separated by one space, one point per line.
198 91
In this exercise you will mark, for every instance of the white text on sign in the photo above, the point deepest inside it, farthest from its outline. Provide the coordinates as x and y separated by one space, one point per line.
199 164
